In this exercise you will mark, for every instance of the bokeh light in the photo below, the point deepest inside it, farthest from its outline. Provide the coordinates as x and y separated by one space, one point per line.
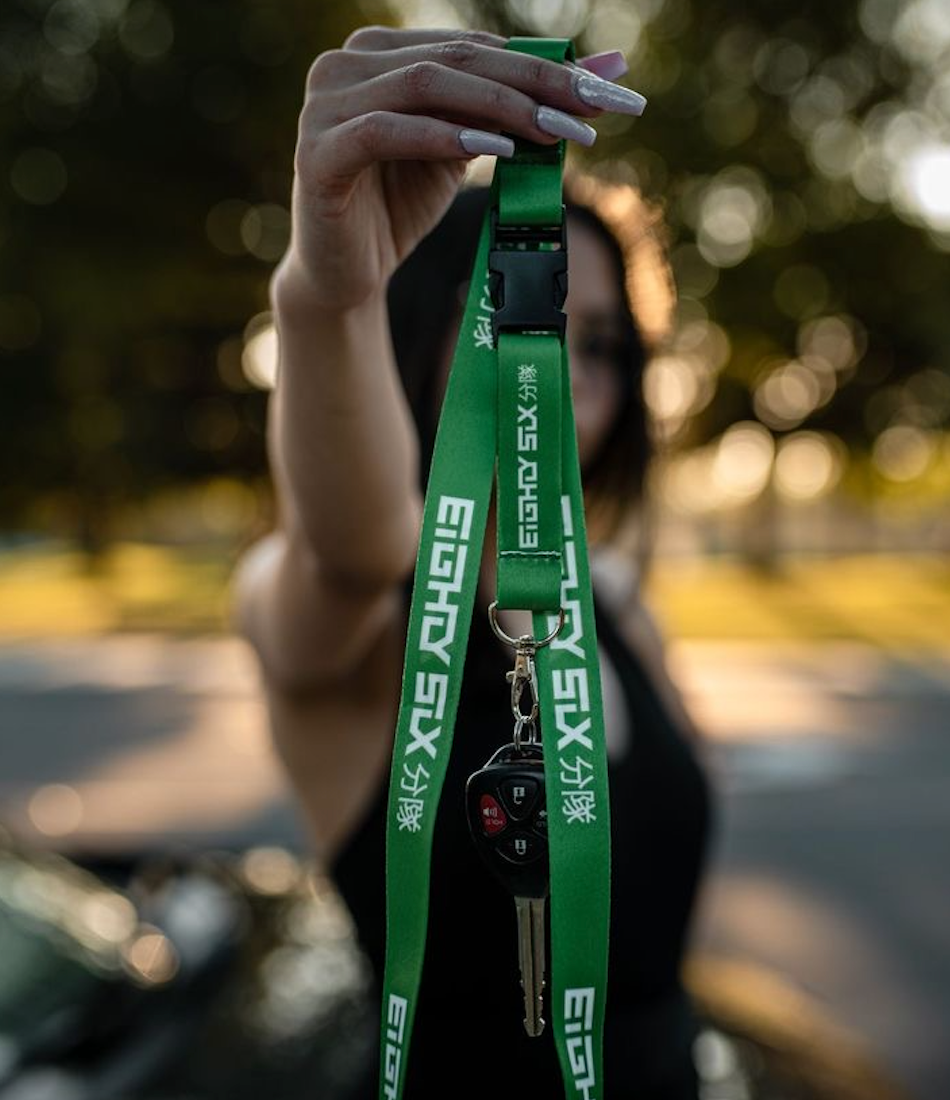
716 1061
925 397
788 220
835 145
260 355
694 275
733 210
109 916
808 465
728 472
671 387
743 462
787 395
926 183
780 65
552 18
146 30
270 870
921 31
56 809
223 226
686 483
614 26
903 452
71 28
265 231
680 384
69 81
839 340
39 176
150 957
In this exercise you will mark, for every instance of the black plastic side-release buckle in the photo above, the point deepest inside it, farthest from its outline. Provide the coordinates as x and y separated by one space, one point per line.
527 283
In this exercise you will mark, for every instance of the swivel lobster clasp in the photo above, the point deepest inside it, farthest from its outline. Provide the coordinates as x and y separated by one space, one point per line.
522 679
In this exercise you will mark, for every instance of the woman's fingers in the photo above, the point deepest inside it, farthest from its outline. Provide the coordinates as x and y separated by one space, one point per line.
392 94
609 64
429 88
388 135
392 38
548 82
571 89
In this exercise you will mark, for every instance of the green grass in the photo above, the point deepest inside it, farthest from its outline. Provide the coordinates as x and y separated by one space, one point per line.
133 587
897 602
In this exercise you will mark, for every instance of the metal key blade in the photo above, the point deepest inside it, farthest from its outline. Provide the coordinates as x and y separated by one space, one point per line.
530 912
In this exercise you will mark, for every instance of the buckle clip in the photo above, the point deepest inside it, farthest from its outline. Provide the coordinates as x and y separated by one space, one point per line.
527 283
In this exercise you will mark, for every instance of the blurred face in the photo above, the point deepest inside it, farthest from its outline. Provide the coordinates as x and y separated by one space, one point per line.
594 334
594 337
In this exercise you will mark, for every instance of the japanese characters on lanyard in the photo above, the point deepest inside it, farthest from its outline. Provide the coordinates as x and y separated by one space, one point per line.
508 396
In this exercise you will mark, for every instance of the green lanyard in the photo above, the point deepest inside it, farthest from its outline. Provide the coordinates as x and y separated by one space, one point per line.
508 397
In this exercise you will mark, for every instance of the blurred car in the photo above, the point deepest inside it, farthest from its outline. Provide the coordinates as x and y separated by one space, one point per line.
235 975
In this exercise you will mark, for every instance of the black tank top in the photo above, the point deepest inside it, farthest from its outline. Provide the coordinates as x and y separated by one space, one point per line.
470 1009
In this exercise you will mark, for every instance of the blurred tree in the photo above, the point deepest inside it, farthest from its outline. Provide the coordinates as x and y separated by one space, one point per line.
143 201
801 152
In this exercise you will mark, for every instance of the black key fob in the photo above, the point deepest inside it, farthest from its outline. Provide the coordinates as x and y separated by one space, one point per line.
507 817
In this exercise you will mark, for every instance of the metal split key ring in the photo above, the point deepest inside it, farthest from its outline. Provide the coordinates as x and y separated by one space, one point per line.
525 641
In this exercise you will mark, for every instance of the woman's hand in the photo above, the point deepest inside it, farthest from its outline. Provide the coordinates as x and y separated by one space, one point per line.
387 127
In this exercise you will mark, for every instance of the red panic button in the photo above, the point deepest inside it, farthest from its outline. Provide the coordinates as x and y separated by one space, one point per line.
492 815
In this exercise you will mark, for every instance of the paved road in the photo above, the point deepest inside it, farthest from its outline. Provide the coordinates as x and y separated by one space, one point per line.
832 858
832 763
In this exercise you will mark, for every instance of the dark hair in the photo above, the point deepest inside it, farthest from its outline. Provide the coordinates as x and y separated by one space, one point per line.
424 304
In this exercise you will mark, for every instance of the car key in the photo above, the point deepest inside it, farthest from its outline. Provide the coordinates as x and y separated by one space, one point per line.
507 817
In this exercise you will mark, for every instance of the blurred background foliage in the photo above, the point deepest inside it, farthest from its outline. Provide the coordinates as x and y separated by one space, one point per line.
800 151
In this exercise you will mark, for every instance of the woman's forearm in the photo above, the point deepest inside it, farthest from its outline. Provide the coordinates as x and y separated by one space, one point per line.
341 439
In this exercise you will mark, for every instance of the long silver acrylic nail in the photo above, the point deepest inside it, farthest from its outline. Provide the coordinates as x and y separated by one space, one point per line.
561 125
610 64
483 142
595 92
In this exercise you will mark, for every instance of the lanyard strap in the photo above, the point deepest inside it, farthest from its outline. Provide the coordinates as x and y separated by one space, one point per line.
509 395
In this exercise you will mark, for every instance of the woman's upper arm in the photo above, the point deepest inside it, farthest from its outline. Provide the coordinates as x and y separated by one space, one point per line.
335 741
308 628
